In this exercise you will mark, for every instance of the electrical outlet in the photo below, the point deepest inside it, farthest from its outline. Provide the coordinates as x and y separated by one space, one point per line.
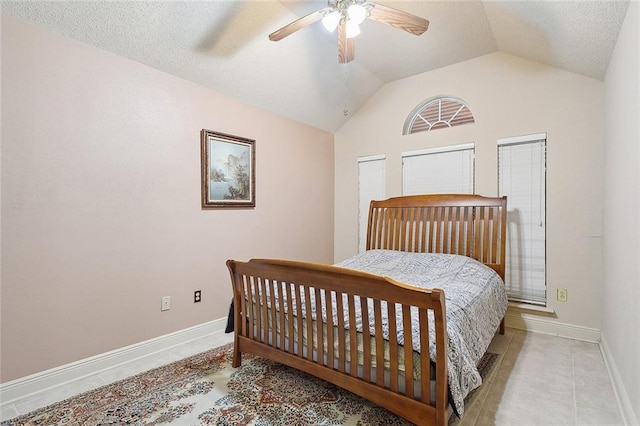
197 296
562 294
166 303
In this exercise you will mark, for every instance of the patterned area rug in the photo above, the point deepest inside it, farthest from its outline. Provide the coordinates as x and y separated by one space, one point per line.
205 390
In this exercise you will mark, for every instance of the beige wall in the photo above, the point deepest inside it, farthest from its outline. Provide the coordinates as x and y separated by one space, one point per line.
621 295
508 96
101 208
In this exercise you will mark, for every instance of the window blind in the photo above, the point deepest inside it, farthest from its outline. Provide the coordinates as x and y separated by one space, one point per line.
371 175
522 178
439 170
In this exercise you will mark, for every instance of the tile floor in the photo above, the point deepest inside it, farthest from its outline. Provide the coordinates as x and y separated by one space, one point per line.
539 380
545 380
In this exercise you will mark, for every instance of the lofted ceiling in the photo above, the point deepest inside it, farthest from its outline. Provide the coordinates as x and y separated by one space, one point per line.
224 44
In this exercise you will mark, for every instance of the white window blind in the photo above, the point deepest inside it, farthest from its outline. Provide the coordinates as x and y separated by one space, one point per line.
371 187
439 170
522 178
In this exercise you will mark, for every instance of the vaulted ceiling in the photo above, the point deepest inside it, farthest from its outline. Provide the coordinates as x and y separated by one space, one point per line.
224 45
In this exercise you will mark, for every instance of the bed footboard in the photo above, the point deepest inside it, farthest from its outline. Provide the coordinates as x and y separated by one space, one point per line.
290 312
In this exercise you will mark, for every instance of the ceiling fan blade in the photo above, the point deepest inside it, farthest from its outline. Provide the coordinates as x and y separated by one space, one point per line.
346 51
298 24
398 19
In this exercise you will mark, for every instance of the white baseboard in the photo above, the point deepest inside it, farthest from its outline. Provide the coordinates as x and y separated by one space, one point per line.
525 321
618 386
25 386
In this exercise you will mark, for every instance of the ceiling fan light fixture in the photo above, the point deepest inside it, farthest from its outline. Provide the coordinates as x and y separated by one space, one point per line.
357 13
331 20
346 16
353 29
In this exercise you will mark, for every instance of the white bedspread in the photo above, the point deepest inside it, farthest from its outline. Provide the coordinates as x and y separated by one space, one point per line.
475 303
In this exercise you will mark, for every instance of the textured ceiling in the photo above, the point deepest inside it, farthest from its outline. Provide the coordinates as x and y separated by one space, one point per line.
223 44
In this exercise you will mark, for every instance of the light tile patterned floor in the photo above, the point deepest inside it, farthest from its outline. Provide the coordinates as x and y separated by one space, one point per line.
545 380
540 380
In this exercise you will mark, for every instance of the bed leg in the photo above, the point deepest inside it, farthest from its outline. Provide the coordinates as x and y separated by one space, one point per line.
501 329
237 355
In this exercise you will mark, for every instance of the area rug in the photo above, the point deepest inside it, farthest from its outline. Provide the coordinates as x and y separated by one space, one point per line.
206 390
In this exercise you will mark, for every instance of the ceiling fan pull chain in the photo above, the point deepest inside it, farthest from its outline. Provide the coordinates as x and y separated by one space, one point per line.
345 111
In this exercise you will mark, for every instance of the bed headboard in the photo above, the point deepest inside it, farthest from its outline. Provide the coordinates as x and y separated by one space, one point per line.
465 224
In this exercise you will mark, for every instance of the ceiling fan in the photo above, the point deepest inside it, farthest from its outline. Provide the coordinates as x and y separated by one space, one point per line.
346 16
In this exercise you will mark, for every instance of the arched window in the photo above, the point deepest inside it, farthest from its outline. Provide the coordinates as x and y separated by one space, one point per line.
438 113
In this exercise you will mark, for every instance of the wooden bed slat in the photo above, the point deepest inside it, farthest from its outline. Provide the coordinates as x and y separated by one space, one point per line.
281 316
393 346
440 321
408 350
425 224
353 337
319 342
496 232
425 361
342 353
448 230
290 316
401 224
330 326
264 313
308 322
412 229
299 320
430 230
366 339
246 329
486 244
272 301
469 228
377 308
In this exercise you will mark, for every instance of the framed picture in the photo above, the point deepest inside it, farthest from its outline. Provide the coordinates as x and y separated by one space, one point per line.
228 166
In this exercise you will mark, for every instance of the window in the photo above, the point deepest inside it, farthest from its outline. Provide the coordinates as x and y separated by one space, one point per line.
371 187
447 169
522 178
438 113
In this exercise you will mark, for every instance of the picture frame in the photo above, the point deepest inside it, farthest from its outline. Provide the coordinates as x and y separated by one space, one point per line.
228 170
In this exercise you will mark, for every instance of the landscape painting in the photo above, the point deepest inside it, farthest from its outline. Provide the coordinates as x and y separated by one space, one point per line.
228 170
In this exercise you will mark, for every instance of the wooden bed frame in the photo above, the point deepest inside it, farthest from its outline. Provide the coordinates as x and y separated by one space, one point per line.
282 329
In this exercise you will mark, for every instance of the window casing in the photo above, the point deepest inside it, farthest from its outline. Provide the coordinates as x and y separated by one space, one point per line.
522 178
371 186
445 170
